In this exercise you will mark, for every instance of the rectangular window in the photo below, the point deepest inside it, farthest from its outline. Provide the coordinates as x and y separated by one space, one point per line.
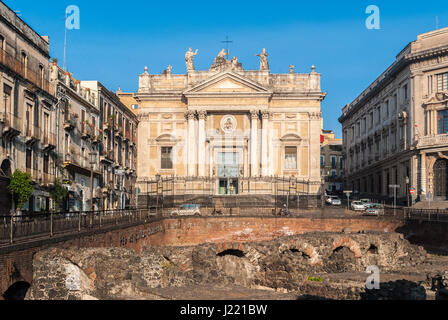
341 163
333 162
395 103
28 158
46 163
442 82
167 160
442 119
291 158
387 109
322 161
7 98
405 92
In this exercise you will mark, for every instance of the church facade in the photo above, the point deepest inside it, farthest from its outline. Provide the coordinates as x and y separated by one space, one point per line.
229 131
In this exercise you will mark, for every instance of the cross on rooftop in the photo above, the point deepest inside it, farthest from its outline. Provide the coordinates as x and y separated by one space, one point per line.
227 42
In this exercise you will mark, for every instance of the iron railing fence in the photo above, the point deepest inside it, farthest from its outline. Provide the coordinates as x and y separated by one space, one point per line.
435 215
18 228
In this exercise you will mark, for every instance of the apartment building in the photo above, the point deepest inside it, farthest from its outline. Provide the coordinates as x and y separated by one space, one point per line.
78 138
332 162
118 151
27 110
396 131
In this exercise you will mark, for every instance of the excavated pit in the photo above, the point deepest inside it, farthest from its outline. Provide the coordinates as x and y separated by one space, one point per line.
309 266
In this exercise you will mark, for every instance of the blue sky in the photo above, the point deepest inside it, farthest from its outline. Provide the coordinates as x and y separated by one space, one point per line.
117 40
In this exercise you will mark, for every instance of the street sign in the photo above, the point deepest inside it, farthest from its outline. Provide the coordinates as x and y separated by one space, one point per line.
412 191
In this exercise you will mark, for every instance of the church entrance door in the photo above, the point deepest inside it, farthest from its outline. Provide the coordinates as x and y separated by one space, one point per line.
228 173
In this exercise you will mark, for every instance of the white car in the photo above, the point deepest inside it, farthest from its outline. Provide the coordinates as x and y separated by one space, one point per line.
358 206
365 202
335 201
187 210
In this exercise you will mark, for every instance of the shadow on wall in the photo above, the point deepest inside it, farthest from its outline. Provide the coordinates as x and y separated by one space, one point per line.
17 291
433 236
396 290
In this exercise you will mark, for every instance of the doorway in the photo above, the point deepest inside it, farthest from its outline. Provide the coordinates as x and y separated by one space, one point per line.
228 186
228 173
441 180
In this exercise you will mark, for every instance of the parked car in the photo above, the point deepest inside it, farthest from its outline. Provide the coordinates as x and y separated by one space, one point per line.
358 206
187 210
334 201
374 209
365 202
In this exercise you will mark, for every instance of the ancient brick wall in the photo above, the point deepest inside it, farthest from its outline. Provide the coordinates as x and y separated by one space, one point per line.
16 261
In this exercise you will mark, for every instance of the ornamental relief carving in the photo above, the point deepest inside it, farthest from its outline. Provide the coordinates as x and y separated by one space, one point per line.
229 124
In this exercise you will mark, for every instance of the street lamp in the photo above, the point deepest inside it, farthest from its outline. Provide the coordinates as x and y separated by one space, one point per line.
92 158
407 190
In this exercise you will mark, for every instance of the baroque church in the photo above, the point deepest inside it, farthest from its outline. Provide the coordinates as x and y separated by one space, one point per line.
227 131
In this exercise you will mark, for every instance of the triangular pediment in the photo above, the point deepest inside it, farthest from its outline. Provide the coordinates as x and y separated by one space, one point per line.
228 83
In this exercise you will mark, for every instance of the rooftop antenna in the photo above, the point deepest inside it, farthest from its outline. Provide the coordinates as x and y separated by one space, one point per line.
227 42
437 22
18 13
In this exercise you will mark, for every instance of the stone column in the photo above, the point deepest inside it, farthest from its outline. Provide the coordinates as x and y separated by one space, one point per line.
264 143
271 139
423 175
254 144
201 143
191 116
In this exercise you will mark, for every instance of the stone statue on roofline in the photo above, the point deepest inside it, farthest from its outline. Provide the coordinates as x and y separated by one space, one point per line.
264 65
168 70
189 59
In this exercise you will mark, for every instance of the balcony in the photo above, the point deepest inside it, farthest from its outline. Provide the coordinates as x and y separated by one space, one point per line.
87 132
34 174
118 133
18 67
70 122
126 136
11 124
33 134
107 157
97 138
109 125
440 140
49 141
48 179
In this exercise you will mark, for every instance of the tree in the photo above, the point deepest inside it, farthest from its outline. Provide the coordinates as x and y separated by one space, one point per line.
58 193
21 188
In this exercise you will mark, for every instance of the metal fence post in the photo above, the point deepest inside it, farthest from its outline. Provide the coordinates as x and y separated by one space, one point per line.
79 221
51 224
99 214
11 233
